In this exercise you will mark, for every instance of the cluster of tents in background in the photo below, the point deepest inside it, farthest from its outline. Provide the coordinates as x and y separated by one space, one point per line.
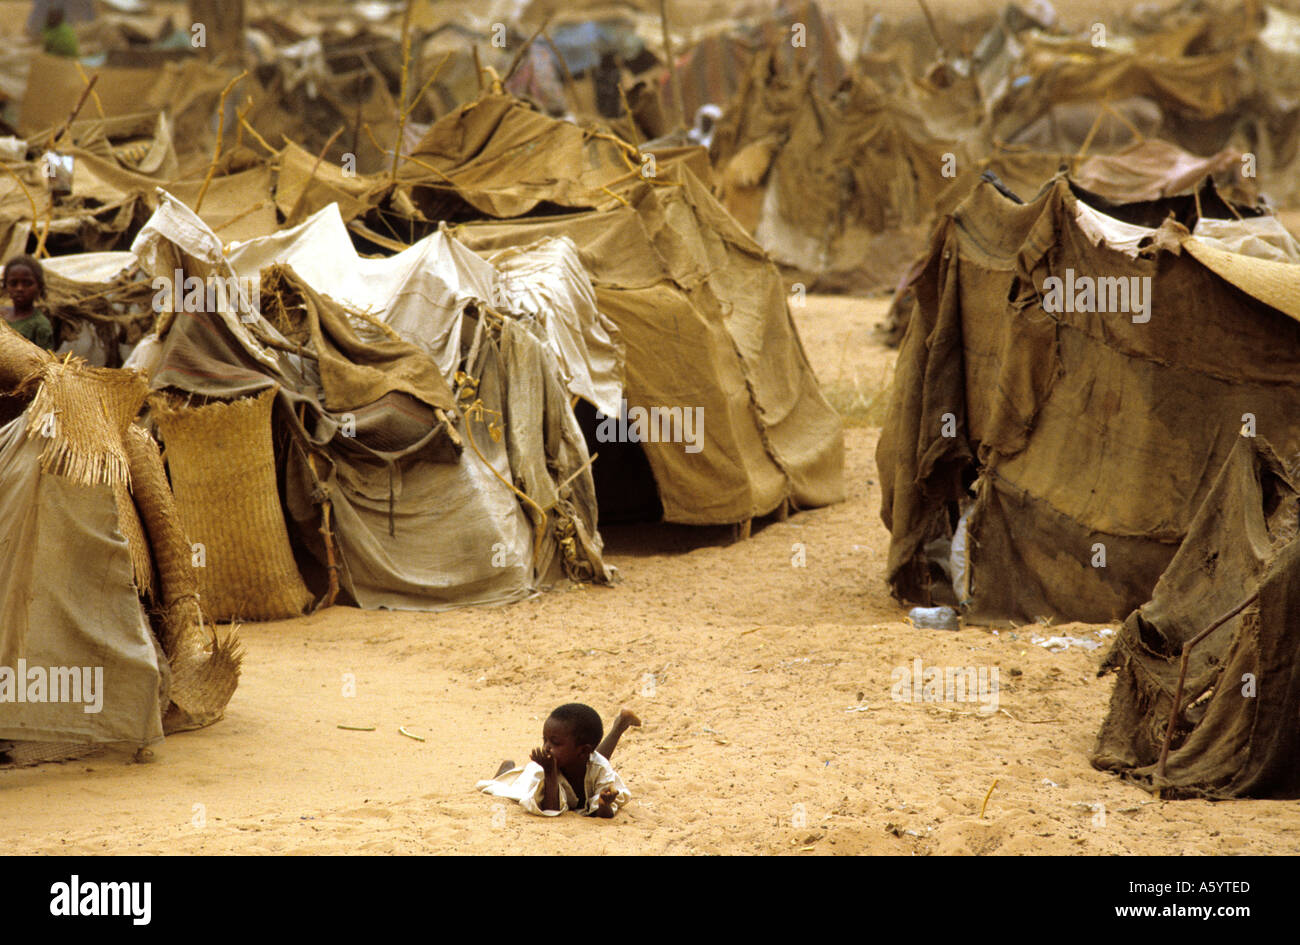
456 247
384 389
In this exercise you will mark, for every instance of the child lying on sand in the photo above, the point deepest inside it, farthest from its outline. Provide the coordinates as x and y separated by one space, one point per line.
571 771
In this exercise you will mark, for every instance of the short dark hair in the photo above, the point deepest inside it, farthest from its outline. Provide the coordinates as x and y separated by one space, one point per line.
583 721
31 264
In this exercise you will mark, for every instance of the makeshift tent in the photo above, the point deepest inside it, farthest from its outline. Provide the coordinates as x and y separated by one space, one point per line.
1072 442
1144 173
768 437
397 491
1236 733
102 639
837 189
427 292
699 306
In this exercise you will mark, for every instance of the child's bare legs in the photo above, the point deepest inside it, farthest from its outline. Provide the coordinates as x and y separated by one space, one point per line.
626 719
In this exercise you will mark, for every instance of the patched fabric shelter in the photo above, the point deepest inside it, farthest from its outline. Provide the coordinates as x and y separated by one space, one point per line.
698 304
1068 446
419 475
1237 733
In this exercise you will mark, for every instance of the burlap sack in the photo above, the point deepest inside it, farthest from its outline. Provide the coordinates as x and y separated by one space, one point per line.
222 469
81 413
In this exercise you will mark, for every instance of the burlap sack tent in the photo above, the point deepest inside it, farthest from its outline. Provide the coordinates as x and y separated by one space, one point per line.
1235 732
700 308
1143 173
1073 447
378 453
837 188
102 639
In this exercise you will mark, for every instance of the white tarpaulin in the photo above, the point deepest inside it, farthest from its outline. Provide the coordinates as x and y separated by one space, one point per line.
415 526
422 293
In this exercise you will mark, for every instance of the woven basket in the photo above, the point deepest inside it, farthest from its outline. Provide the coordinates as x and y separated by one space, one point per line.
222 468
178 585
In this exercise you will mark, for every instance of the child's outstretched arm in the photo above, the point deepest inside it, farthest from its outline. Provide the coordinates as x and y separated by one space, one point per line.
551 779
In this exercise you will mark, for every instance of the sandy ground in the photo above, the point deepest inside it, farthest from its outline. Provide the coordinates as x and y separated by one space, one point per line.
765 689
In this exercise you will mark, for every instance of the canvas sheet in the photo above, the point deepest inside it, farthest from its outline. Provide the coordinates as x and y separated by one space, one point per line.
1078 429
68 600
422 293
1237 736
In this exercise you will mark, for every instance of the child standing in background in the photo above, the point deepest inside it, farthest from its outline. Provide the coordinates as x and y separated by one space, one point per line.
24 283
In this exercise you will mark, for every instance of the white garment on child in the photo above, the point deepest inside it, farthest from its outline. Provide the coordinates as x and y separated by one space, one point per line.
527 784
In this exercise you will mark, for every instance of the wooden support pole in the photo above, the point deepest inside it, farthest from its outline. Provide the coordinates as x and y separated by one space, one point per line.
1175 712
679 103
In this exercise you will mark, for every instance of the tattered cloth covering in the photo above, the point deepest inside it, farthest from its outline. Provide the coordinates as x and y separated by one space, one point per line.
68 601
1153 169
416 523
504 159
818 181
1088 437
1240 737
699 307
424 292
704 319
1146 171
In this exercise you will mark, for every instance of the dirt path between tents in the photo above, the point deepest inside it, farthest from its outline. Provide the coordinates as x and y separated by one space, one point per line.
766 693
